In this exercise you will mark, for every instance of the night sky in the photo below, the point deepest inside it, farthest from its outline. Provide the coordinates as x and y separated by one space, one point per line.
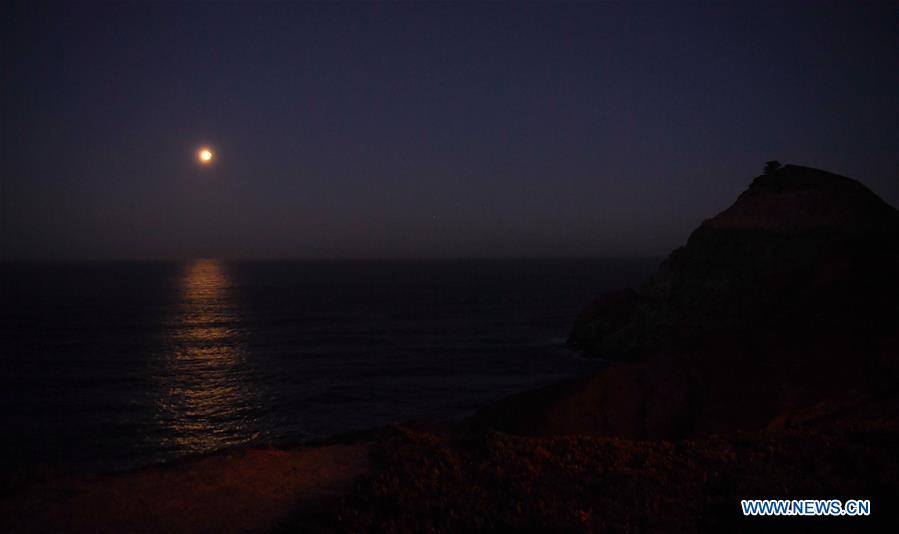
424 130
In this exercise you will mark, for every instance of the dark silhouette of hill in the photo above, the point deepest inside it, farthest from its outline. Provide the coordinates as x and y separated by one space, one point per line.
780 308
801 252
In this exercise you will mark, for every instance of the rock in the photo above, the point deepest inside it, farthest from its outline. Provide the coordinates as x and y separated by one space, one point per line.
801 250
783 303
606 327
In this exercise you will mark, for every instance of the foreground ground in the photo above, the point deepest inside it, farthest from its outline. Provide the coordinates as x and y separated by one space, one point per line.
458 482
239 491
460 479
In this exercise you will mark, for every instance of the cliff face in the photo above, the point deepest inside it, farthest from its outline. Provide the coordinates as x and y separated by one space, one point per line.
782 308
800 251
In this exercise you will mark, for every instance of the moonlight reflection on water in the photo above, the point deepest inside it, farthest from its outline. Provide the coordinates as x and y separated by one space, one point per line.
206 397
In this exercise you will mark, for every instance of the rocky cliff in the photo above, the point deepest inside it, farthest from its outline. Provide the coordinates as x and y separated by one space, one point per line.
801 252
783 307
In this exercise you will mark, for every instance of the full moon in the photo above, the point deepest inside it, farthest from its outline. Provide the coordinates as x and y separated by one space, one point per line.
205 155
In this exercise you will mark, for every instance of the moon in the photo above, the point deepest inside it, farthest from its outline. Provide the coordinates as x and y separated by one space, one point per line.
205 155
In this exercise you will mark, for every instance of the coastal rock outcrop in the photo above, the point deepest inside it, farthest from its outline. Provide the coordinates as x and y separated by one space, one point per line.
801 251
781 308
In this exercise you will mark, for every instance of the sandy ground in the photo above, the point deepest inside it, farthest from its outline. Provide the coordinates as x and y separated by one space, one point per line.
238 491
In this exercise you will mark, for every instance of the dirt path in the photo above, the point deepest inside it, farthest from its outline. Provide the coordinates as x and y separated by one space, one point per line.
240 491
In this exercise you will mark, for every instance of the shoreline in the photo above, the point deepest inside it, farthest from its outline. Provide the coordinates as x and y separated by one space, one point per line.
248 489
553 351
337 486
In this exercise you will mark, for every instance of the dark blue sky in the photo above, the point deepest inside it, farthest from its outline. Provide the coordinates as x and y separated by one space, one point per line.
423 130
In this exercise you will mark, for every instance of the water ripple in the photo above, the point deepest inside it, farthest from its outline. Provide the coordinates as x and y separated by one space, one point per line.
205 396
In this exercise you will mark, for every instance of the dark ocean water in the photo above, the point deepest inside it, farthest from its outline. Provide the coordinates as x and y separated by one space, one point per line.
121 364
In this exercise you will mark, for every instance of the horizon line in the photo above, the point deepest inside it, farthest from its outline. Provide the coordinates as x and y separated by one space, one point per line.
335 259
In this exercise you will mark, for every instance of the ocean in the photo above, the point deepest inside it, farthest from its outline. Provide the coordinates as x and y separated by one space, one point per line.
110 366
